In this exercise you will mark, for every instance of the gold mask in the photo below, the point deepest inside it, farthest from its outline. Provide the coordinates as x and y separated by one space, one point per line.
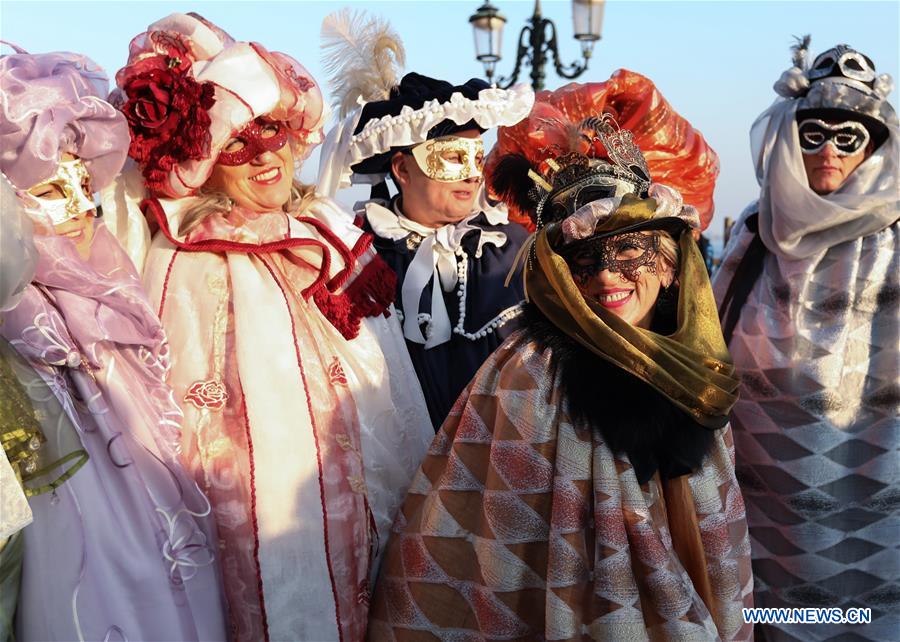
450 159
71 177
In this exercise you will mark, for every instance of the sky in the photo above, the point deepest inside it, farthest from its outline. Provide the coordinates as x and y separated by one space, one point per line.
714 61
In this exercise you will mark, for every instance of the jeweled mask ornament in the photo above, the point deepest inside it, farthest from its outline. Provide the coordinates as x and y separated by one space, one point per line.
257 137
73 180
450 159
842 61
576 179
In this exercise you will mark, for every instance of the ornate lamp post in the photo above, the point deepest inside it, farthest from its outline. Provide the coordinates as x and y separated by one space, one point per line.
537 41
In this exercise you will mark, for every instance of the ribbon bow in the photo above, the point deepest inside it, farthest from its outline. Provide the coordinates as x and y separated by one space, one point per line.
435 259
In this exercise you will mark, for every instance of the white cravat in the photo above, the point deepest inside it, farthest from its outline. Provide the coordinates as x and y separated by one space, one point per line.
435 259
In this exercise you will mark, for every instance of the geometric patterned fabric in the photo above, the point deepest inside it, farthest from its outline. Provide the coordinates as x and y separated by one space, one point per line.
817 431
522 526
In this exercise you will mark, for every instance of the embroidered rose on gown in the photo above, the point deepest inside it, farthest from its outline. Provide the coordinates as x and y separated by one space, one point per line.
336 374
207 394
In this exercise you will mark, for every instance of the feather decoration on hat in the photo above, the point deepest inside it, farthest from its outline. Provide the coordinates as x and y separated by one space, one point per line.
363 57
800 52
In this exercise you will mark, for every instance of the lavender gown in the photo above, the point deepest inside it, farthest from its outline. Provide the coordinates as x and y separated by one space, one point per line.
124 549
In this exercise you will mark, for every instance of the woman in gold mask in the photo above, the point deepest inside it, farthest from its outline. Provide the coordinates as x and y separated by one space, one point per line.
583 487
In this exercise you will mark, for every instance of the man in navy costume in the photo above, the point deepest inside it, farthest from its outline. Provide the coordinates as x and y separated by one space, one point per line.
451 248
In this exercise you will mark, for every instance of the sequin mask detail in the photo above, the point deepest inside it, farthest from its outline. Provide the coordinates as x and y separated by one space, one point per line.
847 138
623 254
849 62
71 177
450 159
257 137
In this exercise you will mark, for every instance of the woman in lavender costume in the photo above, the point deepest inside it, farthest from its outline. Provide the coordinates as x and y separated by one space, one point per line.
122 551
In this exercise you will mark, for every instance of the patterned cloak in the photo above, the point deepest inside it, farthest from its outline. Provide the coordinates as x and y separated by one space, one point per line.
816 430
521 525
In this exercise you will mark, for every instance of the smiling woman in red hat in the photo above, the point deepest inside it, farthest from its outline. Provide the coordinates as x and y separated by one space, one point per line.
304 420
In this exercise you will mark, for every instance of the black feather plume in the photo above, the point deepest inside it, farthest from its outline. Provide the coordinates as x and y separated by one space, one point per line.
510 182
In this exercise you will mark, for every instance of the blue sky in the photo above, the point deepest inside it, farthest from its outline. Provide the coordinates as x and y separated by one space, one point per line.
714 61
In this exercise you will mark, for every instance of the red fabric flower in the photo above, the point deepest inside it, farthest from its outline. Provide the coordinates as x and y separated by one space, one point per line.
150 112
167 110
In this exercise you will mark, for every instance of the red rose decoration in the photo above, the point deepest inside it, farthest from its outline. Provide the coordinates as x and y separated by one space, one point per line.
167 111
149 110
207 394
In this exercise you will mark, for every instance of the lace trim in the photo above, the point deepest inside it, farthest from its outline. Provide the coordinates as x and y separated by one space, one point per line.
491 108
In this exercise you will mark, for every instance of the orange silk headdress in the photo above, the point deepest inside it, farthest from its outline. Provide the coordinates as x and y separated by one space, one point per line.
676 153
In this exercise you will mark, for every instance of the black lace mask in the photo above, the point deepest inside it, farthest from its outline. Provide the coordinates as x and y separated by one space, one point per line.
623 254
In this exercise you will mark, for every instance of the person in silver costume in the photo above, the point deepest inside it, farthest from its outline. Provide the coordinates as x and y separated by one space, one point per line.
808 294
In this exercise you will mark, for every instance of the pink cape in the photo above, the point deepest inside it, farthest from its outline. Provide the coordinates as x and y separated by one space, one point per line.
307 419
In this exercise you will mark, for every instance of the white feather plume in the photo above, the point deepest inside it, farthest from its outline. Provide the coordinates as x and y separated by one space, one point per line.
363 57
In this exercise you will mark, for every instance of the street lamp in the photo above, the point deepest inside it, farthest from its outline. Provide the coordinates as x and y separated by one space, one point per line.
537 41
487 23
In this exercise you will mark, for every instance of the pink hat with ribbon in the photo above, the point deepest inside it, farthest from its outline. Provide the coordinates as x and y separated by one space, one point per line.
189 86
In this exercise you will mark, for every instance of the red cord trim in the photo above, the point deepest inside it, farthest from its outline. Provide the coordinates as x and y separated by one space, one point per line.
363 243
337 607
165 289
239 99
259 580
370 293
345 252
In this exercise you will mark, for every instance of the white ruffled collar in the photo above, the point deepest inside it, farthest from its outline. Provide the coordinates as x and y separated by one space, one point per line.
387 221
435 259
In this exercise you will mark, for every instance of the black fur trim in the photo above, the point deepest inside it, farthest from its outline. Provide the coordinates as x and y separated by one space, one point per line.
632 417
